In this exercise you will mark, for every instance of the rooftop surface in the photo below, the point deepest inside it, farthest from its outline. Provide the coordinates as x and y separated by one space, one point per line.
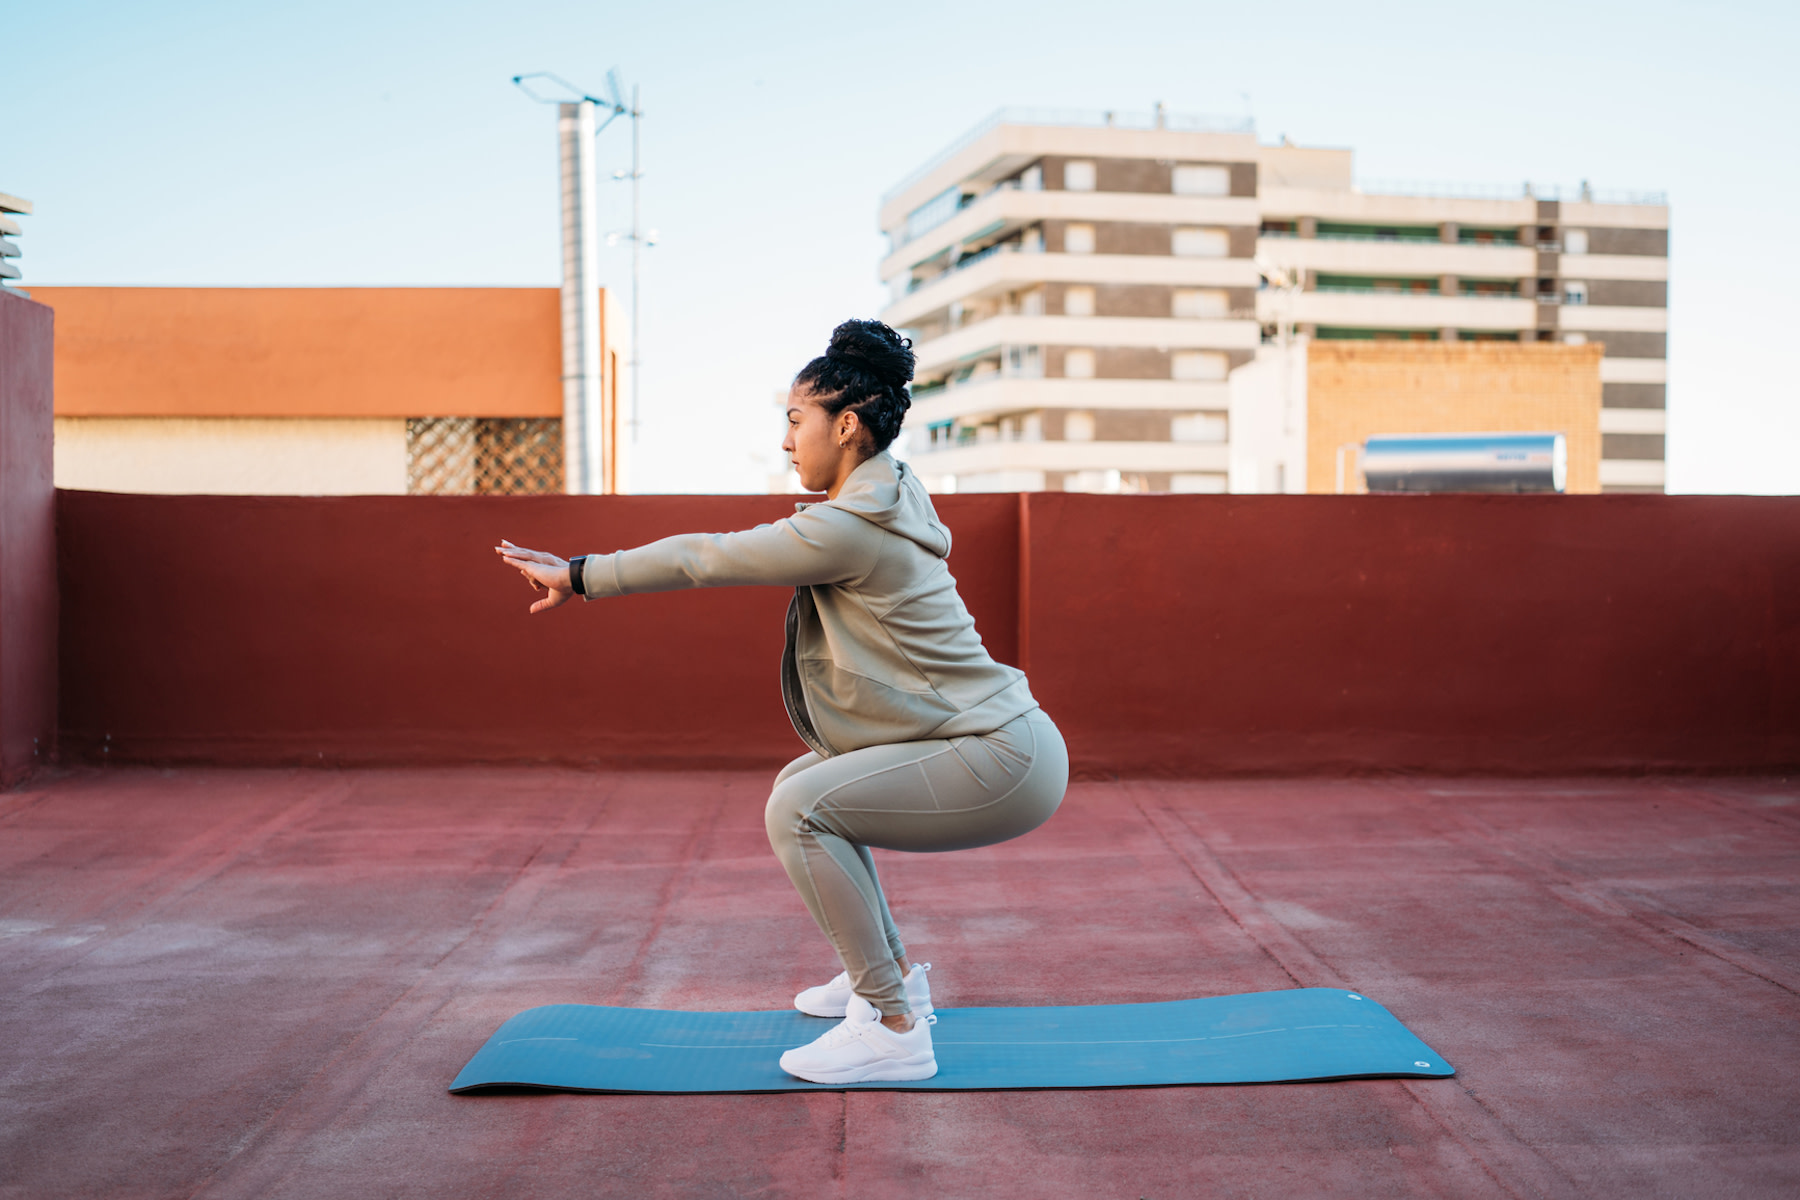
237 983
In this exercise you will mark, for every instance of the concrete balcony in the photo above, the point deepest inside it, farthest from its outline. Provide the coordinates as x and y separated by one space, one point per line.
1001 395
1332 204
1633 472
1616 216
1162 333
1399 258
1377 310
1011 208
1607 318
975 457
1002 271
1634 370
1647 267
1634 420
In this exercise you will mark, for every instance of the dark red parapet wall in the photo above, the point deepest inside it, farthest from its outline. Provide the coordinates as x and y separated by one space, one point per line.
384 630
1179 635
27 539
1195 635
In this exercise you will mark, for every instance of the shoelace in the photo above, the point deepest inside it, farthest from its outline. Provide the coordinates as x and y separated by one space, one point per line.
846 1031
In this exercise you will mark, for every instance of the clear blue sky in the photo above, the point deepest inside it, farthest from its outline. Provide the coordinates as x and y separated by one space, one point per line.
326 142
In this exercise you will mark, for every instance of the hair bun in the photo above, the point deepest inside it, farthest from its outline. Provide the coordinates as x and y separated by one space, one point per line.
874 347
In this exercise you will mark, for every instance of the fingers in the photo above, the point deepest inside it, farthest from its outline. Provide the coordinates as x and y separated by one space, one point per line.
509 552
555 598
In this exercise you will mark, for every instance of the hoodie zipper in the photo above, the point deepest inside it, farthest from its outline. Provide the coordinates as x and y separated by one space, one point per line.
793 694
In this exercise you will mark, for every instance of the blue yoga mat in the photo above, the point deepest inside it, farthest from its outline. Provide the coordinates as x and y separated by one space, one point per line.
1261 1037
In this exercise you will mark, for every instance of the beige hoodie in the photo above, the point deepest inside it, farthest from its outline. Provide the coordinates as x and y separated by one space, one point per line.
879 646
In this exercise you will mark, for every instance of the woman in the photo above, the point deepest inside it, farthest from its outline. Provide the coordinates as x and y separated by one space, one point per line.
919 741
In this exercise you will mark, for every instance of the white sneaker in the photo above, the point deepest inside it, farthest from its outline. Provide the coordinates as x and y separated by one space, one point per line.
831 999
863 1049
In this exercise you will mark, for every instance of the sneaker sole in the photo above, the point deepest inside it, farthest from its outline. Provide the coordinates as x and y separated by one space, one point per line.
889 1070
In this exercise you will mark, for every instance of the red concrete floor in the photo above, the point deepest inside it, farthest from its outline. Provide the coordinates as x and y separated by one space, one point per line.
259 983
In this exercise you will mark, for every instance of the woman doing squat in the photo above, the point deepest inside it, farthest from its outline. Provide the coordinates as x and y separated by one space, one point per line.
919 740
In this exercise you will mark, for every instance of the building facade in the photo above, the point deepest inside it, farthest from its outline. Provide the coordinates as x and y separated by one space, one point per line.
10 207
1086 294
1358 388
319 391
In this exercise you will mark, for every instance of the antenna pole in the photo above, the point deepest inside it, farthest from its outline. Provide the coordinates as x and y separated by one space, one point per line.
580 313
637 247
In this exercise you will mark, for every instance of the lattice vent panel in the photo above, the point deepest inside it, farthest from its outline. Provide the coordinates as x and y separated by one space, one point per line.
483 456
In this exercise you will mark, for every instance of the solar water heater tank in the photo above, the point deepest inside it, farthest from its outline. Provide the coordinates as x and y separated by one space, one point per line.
1466 462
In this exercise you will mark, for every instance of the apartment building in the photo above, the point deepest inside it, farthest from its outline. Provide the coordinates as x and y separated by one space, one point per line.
1084 291
10 206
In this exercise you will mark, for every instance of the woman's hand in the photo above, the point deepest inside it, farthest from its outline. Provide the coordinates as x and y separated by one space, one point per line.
544 571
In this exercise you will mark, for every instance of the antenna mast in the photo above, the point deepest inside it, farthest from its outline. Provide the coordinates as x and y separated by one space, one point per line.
590 435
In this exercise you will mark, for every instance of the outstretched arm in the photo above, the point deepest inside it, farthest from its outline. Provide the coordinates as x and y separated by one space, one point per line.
820 545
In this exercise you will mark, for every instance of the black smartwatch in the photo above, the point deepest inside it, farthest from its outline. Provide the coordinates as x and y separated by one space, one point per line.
576 566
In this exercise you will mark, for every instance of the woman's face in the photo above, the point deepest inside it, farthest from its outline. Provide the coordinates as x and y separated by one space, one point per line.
816 442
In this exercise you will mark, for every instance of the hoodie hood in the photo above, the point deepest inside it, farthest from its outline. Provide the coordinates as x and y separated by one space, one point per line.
886 492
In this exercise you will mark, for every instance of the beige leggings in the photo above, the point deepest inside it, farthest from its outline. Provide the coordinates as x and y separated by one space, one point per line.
825 813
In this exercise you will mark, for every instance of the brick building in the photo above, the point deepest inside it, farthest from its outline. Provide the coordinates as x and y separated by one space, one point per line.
1086 293
317 390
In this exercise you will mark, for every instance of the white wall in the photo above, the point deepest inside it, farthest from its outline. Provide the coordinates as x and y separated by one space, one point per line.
232 455
1268 421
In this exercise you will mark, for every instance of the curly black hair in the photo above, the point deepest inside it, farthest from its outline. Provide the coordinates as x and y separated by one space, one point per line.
865 369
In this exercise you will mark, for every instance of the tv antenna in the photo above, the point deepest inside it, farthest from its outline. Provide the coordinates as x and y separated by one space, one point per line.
590 447
639 237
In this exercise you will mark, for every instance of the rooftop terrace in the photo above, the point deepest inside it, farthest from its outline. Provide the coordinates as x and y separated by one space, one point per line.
258 983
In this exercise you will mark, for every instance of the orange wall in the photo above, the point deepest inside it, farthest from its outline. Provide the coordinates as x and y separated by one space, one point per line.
1356 390
306 352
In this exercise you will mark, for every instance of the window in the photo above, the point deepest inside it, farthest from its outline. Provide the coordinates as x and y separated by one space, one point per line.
1197 365
1078 176
1078 239
1078 364
933 212
1202 243
1575 241
1197 427
1197 484
1032 179
1574 339
1024 362
1202 181
1209 304
1079 302
1574 293
1078 426
465 456
1031 304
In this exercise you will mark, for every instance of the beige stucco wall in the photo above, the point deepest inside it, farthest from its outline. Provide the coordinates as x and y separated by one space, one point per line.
1358 389
232 455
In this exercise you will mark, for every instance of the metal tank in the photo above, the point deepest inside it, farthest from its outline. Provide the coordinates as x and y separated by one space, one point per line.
1466 462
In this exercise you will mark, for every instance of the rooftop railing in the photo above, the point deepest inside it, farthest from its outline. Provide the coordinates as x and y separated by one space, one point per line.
1582 193
1080 118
